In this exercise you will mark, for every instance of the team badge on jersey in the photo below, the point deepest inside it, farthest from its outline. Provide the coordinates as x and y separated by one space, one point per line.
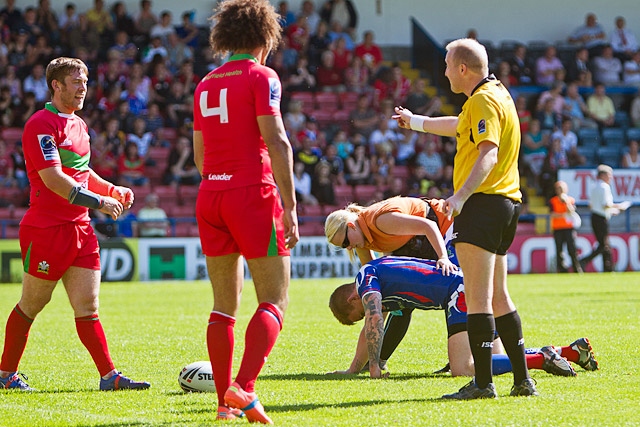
48 147
43 267
482 126
275 92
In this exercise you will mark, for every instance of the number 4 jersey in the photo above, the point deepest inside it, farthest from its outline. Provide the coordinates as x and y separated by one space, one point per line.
227 103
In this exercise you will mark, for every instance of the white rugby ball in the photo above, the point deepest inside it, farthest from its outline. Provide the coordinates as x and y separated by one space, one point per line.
197 377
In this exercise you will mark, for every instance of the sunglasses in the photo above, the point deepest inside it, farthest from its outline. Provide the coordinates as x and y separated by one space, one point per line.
345 242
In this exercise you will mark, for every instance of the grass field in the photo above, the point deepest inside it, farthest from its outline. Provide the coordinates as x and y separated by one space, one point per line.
154 329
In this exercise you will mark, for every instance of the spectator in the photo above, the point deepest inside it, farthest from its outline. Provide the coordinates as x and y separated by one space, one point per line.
634 111
68 22
396 188
301 80
187 76
86 37
131 167
549 119
123 49
139 84
406 148
187 32
36 82
302 184
383 137
535 144
100 21
549 68
294 119
369 52
336 31
322 184
308 154
155 48
357 76
115 139
590 35
177 53
25 109
11 14
569 142
287 17
122 21
623 41
606 67
125 117
18 53
419 102
318 43
430 160
142 138
342 11
152 219
364 119
41 52
48 21
358 166
524 115
297 34
154 120
145 20
179 105
343 145
521 67
308 11
29 24
341 56
6 166
329 78
631 72
631 158
579 69
161 80
335 162
556 159
562 206
576 109
181 168
601 107
103 159
11 81
555 95
6 107
163 28
382 164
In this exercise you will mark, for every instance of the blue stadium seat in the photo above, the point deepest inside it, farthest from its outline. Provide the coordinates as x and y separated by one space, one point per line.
610 156
622 119
589 138
614 137
633 133
590 155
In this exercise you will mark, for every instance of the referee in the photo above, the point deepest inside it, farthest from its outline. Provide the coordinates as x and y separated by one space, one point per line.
486 203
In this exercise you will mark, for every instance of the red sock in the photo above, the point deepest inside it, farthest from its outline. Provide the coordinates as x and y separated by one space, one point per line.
92 336
15 339
534 361
220 345
568 353
262 333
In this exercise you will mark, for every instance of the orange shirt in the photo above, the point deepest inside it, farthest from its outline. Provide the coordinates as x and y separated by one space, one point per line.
380 241
559 207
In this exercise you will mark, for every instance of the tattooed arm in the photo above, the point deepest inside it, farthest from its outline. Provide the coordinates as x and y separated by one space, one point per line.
374 331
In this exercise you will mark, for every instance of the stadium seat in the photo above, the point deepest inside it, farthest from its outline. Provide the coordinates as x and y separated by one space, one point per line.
364 193
349 100
341 119
589 137
507 47
327 209
182 211
401 171
327 101
609 156
324 117
536 48
184 229
312 228
160 155
307 100
168 134
590 155
344 194
633 133
12 135
622 119
312 210
614 137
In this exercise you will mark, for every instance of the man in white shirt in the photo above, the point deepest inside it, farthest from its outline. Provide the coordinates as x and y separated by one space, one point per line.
602 208
623 41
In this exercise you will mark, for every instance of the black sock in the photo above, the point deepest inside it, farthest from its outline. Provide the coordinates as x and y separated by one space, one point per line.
481 330
509 328
394 332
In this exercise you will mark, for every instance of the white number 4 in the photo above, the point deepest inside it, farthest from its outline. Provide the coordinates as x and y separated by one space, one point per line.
215 111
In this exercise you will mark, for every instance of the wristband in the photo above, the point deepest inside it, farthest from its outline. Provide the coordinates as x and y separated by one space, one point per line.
83 197
417 123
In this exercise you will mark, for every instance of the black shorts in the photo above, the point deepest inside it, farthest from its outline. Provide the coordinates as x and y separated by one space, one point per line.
488 221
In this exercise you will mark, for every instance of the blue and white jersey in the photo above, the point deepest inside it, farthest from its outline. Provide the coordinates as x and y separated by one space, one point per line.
406 282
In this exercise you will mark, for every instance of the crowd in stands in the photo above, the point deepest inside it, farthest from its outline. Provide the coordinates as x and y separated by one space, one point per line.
338 98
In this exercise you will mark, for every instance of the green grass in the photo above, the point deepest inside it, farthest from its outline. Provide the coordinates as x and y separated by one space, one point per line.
154 329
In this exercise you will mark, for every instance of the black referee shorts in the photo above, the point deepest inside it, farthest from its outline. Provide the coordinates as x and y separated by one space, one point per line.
488 221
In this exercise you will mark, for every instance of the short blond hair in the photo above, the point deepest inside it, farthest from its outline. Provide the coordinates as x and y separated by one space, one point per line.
470 53
604 170
338 220
339 303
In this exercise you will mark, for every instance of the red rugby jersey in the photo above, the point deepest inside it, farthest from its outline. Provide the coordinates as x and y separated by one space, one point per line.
227 103
52 138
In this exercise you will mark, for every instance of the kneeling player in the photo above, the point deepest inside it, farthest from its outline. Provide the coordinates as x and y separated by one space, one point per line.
395 283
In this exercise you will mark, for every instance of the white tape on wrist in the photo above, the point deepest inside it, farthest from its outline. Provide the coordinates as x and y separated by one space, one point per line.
417 123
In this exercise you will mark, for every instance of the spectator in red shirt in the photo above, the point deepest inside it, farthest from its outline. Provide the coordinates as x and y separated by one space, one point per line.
370 52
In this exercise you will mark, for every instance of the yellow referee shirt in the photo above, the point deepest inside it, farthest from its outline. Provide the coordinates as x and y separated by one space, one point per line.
489 115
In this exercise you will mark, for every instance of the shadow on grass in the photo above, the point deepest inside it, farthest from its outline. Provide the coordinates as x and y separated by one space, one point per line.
341 377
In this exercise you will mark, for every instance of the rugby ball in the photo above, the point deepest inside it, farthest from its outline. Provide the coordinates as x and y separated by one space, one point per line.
197 377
